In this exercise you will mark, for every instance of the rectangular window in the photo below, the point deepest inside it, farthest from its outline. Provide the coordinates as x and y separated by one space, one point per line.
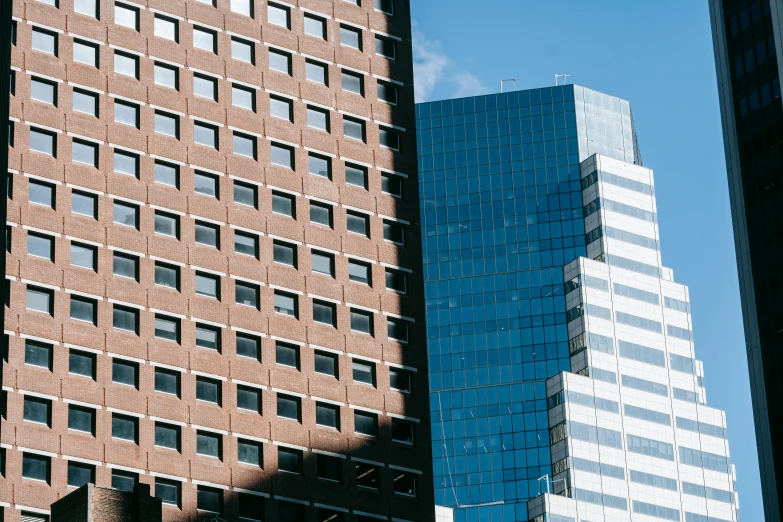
363 372
318 118
126 113
85 102
388 92
167 124
284 204
359 272
85 52
322 263
208 337
282 108
166 28
84 309
246 194
321 214
208 390
126 163
43 141
167 275
249 399
84 256
38 354
40 193
356 175
84 204
365 423
400 380
315 26
40 300
209 499
168 491
385 6
396 280
393 232
242 50
249 452
205 134
248 346
358 223
82 363
279 15
86 7
319 165
166 76
125 427
44 41
207 234
166 224
286 304
280 61
246 244
125 265
326 363
245 145
282 156
327 415
208 285
167 328
40 245
247 294
397 329
166 174
351 37
36 467
125 372
126 214
287 354
402 431
81 419
126 16
404 483
354 128
167 436
124 480
289 407
285 253
206 184
317 72
43 91
127 319
126 64
361 321
242 7
167 381
205 86
385 47
389 138
353 82
204 39
209 444
290 461
243 97
325 313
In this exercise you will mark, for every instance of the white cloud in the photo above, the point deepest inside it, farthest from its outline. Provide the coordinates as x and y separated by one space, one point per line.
433 69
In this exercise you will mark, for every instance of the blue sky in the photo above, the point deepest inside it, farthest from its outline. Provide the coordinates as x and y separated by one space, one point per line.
658 55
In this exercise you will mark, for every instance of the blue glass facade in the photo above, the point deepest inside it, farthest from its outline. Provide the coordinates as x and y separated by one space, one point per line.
501 214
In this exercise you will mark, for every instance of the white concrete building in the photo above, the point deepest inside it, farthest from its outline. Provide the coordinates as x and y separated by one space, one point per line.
631 436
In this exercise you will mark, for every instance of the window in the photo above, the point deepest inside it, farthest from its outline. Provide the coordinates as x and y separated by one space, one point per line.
365 423
124 480
43 141
249 452
209 444
208 234
246 244
355 175
205 86
246 194
385 6
280 61
287 354
208 337
206 184
282 108
86 7
167 76
249 399
38 354
86 53
325 313
389 138
243 7
282 156
167 124
404 483
125 318
36 467
248 346
209 499
125 427
166 28
85 102
126 113
208 285
167 436
208 390
317 72
289 460
318 118
37 410
329 468
363 372
284 204
361 321
323 263
393 232
284 253
247 294
315 26
396 280
44 41
40 300
167 381
166 224
327 415
167 174
84 256
84 204
242 50
126 16
167 275
204 39
126 64
385 47
245 145
167 328
397 329
168 491
289 407
82 363
286 304
126 163
205 134
359 272
358 223
351 37
321 214
319 165
353 82
279 15
388 92
84 309
367 475
41 193
125 265
402 431
353 128
243 97
39 245
43 91
326 363
125 372
126 214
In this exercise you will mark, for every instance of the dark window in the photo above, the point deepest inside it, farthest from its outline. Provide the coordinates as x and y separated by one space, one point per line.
325 313
167 381
124 480
385 47
208 234
251 507
289 459
389 138
85 256
367 475
365 423
208 390
250 452
400 380
167 275
38 354
167 436
166 224
330 468
37 410
286 304
287 354
81 419
388 92
359 272
394 232
290 512
364 372
168 491
358 223
247 294
249 399
209 499
208 285
322 263
404 483
125 318
385 6
125 427
84 309
125 265
167 328
246 244
289 407
82 363
80 474
125 372
209 444
402 431
397 329
208 337
329 515
326 363
206 184
321 214
284 253
362 321
355 175
354 128
327 415
248 346
396 280
36 467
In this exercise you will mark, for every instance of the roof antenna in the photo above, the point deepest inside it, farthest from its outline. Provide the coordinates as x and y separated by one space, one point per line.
509 80
563 76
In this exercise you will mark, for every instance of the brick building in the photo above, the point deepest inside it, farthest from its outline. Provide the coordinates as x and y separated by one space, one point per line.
93 504
213 264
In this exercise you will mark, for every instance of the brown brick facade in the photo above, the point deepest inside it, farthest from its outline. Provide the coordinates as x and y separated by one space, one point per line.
93 504
31 383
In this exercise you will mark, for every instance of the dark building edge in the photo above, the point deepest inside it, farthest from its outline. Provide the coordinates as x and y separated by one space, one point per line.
6 35
764 443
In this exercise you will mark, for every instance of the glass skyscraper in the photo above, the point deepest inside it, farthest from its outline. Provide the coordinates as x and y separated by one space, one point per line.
502 213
